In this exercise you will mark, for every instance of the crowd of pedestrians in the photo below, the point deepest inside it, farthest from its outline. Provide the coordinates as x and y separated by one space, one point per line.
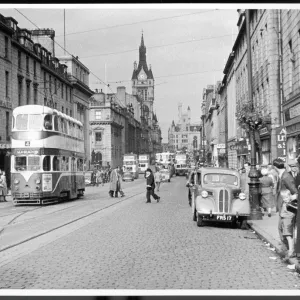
279 185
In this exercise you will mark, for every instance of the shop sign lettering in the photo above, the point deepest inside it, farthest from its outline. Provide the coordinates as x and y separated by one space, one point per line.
281 143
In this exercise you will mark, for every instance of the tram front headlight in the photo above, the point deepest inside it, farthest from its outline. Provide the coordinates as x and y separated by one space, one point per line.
16 181
38 181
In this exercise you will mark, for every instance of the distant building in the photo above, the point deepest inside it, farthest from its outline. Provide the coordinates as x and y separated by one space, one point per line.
184 135
115 127
143 87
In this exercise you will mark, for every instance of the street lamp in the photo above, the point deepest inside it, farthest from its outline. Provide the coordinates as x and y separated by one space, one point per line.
255 213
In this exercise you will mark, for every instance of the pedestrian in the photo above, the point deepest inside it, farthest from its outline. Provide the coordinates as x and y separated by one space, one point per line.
286 182
157 179
120 182
150 186
266 188
287 221
101 177
98 177
3 186
246 179
114 185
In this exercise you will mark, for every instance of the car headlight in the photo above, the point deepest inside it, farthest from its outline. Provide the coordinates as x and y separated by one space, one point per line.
204 194
16 181
38 181
242 196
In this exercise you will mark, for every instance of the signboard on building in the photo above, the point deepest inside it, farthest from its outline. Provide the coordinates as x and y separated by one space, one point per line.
242 148
281 143
292 112
263 131
221 146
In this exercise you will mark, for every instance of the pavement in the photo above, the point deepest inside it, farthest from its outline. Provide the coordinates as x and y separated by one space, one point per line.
267 230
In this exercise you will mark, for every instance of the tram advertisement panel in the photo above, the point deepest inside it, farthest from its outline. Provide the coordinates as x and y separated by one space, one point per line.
47 182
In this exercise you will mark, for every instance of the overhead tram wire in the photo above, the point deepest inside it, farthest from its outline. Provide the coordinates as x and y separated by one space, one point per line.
118 100
139 22
172 75
160 46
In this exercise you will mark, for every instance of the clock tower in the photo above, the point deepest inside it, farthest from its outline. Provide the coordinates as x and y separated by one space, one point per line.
143 83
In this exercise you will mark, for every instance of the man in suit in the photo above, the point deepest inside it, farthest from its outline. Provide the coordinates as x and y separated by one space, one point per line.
286 182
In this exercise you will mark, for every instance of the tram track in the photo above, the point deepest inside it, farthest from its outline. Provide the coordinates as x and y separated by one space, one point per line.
67 223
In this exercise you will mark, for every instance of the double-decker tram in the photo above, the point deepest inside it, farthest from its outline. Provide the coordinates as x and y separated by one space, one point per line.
47 161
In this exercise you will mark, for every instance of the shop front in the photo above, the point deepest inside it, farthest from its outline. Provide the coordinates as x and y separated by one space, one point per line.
243 153
264 144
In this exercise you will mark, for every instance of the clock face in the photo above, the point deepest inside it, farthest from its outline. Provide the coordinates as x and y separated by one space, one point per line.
142 76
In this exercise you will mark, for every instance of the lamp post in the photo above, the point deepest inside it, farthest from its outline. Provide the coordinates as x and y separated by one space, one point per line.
255 213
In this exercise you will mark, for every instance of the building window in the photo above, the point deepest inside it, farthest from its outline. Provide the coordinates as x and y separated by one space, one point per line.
6 47
55 105
62 91
7 126
67 111
55 86
45 101
62 109
98 136
98 114
6 84
34 68
27 64
70 95
35 95
19 60
27 92
70 112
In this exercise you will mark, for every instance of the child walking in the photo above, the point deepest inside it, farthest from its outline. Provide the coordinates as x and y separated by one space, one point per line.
286 221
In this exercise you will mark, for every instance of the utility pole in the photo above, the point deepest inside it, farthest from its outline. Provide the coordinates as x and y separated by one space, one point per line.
255 213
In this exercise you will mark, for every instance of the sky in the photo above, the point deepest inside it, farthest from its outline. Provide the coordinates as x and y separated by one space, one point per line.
187 48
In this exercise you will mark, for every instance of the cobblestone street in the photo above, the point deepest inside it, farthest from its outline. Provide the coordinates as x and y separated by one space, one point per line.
150 246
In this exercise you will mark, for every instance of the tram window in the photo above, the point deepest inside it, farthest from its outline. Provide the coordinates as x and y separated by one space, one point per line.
47 163
62 125
59 124
22 122
13 122
33 163
67 128
48 122
73 164
56 163
79 164
67 164
56 123
35 122
20 163
70 129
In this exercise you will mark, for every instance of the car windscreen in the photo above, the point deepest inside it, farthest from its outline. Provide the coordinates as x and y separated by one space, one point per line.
214 178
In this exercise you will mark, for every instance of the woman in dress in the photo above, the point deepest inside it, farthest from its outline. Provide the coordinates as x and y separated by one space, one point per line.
266 186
